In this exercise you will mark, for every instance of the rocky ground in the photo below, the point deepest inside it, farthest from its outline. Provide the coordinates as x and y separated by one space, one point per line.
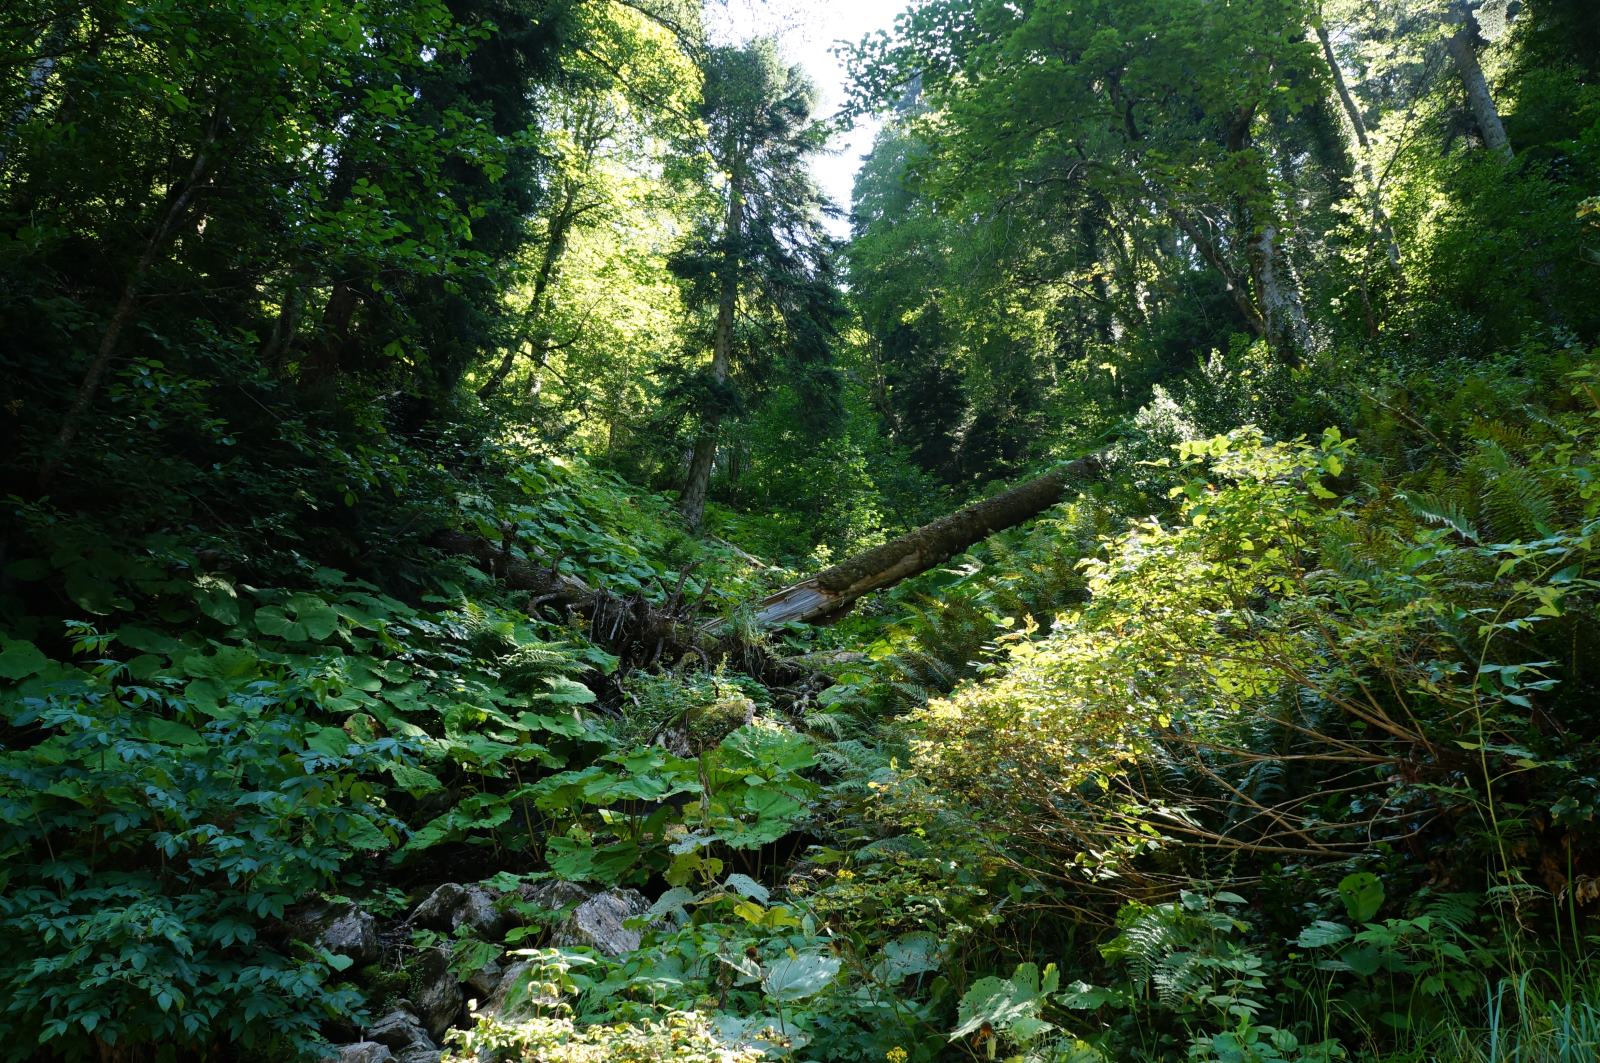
421 992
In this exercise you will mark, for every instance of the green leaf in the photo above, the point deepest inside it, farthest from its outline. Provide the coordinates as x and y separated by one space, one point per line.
671 902
361 833
228 662
564 691
173 733
797 977
19 659
209 697
1009 1005
581 861
329 741
771 804
1081 996
909 954
92 592
361 675
147 640
414 780
1364 960
1362 894
745 886
271 620
1321 934
314 615
217 599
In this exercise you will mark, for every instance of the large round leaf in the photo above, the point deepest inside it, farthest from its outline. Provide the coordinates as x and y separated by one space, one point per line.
798 977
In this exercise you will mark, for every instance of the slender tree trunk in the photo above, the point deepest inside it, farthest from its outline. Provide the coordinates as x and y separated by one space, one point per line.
1277 297
1278 291
50 48
698 483
333 333
1236 285
1238 289
834 589
555 247
179 200
501 371
1463 48
1361 154
275 351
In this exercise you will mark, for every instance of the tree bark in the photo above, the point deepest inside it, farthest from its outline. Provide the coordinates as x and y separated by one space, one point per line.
179 199
275 351
1278 291
1277 297
692 504
1361 154
50 49
1463 48
835 589
640 633
333 334
555 247
644 634
1238 289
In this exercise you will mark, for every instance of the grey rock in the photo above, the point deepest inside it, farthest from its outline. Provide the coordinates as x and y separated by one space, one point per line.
419 1055
597 918
482 983
400 1031
364 1052
597 922
452 906
438 995
514 996
555 893
342 929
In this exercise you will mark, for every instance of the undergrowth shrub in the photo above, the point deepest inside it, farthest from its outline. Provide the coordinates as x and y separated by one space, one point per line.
210 752
1310 669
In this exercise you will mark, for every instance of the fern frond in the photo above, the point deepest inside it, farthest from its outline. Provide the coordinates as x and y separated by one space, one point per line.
1437 510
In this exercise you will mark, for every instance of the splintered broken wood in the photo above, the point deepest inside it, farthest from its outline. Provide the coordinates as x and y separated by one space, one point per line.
834 590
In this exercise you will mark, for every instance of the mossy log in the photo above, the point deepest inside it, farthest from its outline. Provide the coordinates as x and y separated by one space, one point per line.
835 589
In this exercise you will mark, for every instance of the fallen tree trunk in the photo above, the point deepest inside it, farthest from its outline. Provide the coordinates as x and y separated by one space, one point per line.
630 626
644 634
835 589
